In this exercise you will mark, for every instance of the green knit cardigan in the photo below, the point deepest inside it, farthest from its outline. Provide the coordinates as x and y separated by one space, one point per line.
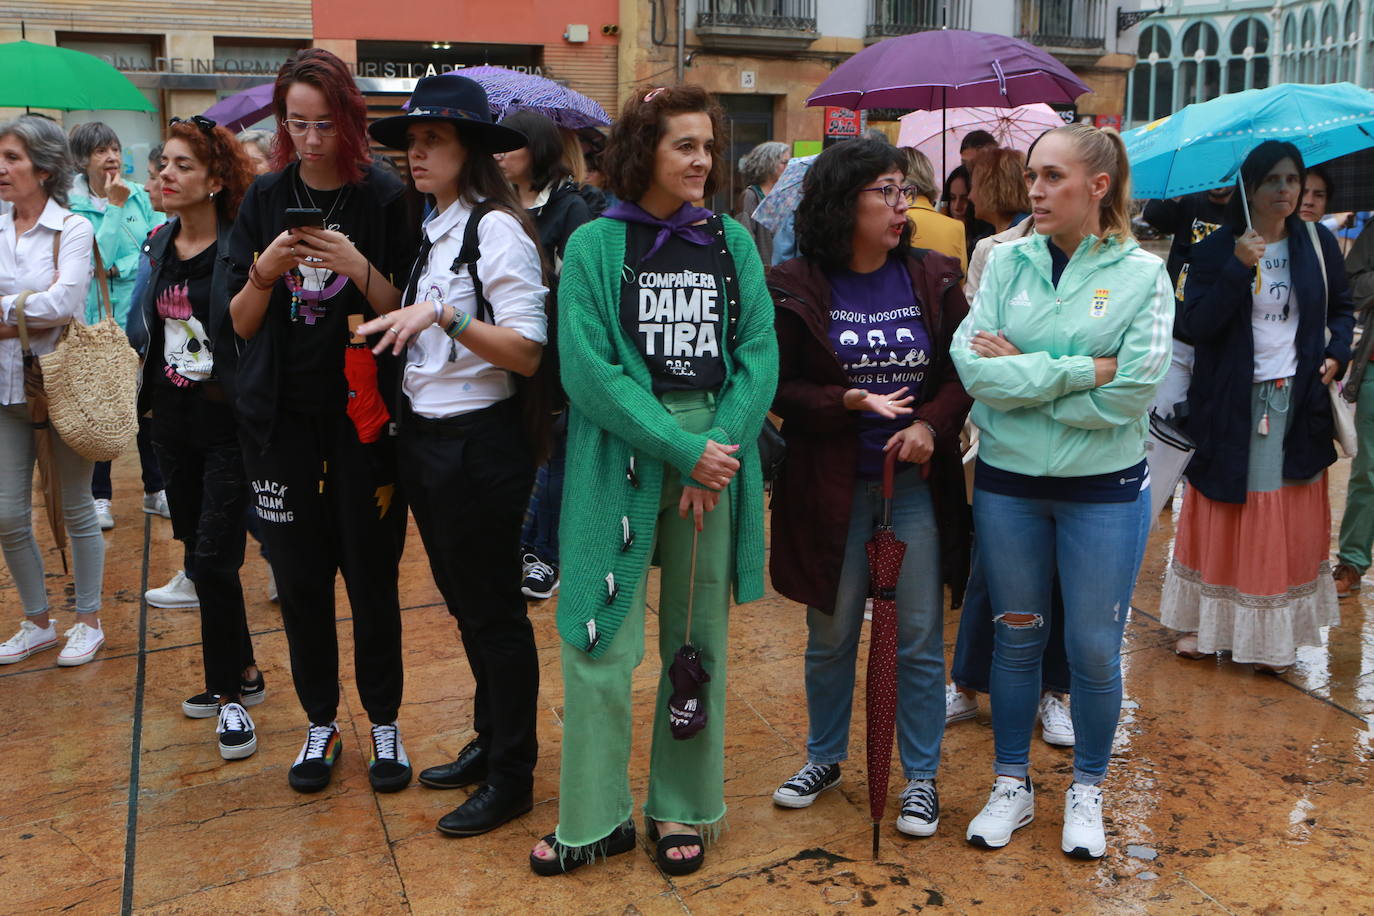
616 423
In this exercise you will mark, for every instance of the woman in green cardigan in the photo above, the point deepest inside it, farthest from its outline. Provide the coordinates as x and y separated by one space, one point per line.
670 362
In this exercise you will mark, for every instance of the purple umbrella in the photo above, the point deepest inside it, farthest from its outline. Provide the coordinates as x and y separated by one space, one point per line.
242 108
509 91
948 68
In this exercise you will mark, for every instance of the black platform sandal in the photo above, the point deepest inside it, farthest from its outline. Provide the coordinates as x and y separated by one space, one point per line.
675 867
570 858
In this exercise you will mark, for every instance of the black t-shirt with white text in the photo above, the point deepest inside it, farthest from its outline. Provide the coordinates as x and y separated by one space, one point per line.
673 307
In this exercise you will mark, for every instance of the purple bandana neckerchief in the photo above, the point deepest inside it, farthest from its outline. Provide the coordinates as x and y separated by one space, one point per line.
679 224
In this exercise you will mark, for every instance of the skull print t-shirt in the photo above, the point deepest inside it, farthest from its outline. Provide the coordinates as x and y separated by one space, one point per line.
880 338
183 305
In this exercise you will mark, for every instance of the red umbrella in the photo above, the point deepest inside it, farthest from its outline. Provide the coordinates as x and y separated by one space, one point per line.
885 556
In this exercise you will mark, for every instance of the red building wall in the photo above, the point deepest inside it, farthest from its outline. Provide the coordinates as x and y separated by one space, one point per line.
531 22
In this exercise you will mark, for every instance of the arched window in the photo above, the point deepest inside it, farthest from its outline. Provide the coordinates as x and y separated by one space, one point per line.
1247 67
1328 58
1199 74
1288 50
1307 72
1152 80
1350 40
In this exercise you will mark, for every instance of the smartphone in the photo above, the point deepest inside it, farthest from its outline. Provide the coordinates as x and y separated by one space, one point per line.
298 217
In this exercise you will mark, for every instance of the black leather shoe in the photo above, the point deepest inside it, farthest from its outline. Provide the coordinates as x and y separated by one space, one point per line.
470 767
486 809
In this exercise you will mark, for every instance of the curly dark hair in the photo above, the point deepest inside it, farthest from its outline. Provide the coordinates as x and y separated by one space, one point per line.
223 157
628 162
830 194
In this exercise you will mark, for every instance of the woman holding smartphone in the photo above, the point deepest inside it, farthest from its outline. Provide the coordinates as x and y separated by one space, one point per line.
316 444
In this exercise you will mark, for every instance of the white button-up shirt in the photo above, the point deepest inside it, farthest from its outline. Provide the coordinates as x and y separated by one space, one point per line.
443 378
60 295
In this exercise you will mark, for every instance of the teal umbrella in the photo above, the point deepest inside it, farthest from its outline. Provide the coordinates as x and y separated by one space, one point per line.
43 76
1203 145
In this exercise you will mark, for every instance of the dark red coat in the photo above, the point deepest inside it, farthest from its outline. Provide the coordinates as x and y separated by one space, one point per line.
813 493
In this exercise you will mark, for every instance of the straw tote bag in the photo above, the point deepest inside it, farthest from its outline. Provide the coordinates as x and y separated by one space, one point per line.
92 383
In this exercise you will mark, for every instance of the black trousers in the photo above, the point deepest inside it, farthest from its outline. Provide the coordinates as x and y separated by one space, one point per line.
328 503
467 480
196 440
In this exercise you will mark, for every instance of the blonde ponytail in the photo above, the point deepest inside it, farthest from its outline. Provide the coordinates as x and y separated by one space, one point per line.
1103 150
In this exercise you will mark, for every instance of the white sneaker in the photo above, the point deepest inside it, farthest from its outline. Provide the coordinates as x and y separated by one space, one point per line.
82 643
179 592
1083 836
31 638
103 514
156 504
272 586
1056 725
959 705
1010 807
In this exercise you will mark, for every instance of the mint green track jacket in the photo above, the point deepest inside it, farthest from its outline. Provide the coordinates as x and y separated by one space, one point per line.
1038 412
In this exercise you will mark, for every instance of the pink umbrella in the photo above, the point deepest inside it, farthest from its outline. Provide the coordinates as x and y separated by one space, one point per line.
1014 128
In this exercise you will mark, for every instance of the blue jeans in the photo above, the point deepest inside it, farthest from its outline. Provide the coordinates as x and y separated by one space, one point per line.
540 531
833 644
1096 549
971 668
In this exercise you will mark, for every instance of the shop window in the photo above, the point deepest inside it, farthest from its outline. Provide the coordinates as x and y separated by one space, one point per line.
138 131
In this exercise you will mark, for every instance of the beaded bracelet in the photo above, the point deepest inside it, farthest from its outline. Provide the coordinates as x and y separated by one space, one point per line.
461 320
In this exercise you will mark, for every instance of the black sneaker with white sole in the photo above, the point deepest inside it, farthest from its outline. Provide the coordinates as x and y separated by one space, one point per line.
920 808
541 579
389 768
237 738
802 789
206 705
314 765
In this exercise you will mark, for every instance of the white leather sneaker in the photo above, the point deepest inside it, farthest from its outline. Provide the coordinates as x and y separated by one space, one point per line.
1010 807
179 592
1083 836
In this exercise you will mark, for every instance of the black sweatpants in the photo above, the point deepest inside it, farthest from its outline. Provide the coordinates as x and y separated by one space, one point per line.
196 440
328 503
467 480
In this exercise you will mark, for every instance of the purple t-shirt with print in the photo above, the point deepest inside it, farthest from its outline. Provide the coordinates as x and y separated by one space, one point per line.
880 339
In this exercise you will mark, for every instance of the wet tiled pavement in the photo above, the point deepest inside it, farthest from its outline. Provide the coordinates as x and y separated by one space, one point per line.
1230 792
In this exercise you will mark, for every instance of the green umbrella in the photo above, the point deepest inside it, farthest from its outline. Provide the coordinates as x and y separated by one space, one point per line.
42 76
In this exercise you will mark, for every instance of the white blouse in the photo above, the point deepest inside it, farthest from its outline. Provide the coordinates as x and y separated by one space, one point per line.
60 294
443 378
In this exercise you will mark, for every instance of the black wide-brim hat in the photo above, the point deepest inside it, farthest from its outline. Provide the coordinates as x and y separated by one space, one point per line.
458 100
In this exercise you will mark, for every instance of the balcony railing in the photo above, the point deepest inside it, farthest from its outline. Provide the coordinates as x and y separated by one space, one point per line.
1077 24
791 15
902 17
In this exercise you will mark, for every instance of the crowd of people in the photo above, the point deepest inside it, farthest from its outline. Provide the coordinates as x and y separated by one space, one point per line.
544 347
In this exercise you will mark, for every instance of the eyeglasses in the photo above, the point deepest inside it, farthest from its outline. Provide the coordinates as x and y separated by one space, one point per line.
299 128
204 123
894 194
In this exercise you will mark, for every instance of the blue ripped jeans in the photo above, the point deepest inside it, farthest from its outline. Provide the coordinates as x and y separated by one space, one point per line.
1097 549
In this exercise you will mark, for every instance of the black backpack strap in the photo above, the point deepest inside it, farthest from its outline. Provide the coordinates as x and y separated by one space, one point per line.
470 254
